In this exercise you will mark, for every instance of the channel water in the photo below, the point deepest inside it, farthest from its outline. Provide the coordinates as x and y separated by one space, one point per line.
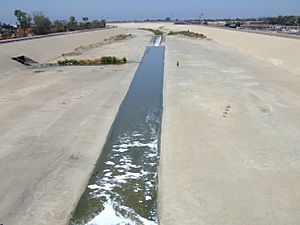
123 187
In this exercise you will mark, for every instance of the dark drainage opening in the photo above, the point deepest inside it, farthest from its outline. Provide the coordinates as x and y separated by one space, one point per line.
25 60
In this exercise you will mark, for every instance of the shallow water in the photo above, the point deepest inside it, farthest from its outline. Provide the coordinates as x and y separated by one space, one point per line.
157 40
123 187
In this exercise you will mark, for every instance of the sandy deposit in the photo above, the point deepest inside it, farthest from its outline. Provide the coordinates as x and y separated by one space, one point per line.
107 41
278 51
54 122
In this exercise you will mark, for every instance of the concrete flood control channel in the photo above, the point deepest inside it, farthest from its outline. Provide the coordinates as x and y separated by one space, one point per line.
123 187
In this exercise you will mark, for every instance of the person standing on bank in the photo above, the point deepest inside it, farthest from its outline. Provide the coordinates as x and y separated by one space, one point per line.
177 63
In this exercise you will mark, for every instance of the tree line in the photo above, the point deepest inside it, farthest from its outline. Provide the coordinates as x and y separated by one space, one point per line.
39 24
277 20
283 20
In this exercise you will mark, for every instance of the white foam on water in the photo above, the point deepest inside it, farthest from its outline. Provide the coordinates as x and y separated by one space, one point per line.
120 179
108 174
152 144
149 184
137 217
107 187
126 172
152 155
94 186
126 165
157 41
109 216
121 150
110 163
126 176
148 197
144 172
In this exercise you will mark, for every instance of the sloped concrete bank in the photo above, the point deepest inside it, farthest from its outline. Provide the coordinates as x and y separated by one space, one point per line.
54 123
51 48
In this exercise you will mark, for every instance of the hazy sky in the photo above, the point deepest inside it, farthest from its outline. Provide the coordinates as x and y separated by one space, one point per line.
153 9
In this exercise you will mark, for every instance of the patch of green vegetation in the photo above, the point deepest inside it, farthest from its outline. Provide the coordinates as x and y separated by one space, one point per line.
188 34
112 60
105 60
156 32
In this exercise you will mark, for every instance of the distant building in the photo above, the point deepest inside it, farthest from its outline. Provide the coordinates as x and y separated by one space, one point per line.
216 23
278 28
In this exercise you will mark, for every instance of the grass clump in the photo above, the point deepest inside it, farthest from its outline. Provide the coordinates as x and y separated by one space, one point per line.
112 60
156 32
188 34
105 60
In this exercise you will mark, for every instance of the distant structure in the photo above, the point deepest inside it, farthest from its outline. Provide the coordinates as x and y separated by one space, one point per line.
289 25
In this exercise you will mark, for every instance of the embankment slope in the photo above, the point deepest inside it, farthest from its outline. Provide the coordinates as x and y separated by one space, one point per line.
47 49
229 145
54 122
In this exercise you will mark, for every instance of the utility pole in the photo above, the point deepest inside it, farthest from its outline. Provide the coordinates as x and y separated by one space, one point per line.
200 16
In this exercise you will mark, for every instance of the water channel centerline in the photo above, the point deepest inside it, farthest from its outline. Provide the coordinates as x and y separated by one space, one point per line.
123 187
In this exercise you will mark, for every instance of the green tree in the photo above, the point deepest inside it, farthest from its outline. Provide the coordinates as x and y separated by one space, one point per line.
85 22
24 20
98 24
85 19
298 21
103 23
72 24
60 26
280 20
42 23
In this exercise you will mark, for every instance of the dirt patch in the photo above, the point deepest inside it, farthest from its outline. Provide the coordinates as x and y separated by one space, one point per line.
84 48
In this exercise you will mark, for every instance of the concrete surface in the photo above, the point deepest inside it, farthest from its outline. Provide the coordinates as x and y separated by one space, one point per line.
230 139
279 51
50 49
54 123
